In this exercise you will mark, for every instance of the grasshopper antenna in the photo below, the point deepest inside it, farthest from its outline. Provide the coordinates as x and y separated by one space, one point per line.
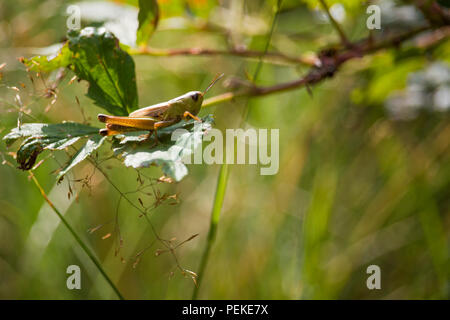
217 78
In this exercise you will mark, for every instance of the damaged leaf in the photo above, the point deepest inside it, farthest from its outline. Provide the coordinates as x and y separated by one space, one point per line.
139 152
40 136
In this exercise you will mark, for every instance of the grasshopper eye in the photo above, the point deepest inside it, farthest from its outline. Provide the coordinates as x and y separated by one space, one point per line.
195 96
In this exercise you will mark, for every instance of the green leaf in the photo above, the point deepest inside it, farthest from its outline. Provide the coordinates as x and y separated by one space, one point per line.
50 63
139 152
93 143
40 136
148 20
95 55
109 70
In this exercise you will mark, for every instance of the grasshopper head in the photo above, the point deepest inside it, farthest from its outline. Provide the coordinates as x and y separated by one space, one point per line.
192 101
195 96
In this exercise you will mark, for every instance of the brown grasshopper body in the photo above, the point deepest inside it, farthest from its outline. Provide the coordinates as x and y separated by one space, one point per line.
156 116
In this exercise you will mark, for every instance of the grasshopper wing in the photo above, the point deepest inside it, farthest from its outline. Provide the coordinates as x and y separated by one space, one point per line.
155 111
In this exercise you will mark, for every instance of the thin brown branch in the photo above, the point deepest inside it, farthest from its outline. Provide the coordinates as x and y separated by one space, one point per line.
330 61
433 38
269 56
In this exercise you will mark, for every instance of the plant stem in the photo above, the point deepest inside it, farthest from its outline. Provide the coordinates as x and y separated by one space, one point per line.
215 216
335 23
225 169
77 237
330 64
269 56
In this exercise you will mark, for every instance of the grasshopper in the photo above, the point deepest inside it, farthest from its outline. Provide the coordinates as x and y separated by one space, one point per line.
157 116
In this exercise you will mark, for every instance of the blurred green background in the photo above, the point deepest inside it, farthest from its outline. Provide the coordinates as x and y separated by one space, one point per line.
364 164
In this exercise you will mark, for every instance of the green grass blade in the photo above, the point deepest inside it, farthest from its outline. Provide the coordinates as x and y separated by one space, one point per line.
225 172
78 239
215 216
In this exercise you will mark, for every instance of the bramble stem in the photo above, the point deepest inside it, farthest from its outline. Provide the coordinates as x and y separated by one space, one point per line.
269 56
328 66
